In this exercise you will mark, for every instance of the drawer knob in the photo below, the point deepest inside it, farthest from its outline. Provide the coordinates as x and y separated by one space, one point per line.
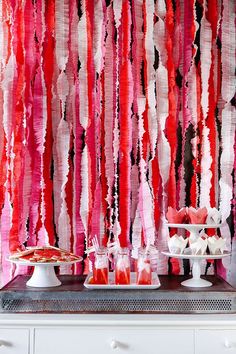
228 344
114 344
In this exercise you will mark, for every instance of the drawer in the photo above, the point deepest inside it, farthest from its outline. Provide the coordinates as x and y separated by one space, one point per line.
14 341
216 341
107 340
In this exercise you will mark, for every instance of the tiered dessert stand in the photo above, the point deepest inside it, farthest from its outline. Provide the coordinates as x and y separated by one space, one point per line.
196 281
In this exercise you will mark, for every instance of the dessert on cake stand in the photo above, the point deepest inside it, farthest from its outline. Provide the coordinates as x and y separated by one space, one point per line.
196 281
194 229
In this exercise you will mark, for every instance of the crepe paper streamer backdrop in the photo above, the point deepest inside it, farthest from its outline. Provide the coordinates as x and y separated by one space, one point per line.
111 111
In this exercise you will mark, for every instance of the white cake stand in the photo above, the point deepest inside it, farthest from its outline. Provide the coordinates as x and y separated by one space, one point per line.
196 281
44 275
194 229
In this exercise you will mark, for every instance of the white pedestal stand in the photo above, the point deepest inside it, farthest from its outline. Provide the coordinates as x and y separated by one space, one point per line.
196 281
44 275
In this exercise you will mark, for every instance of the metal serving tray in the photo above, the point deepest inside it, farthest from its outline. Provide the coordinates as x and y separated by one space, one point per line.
73 297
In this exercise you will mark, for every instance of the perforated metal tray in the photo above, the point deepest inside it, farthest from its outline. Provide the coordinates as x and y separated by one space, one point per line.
72 297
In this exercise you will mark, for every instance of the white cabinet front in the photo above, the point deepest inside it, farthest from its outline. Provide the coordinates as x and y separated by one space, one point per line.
105 340
14 341
216 341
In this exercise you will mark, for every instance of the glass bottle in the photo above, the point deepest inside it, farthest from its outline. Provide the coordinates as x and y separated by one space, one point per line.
101 265
122 268
144 272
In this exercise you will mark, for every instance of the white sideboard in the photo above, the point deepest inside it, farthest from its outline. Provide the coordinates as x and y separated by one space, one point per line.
121 334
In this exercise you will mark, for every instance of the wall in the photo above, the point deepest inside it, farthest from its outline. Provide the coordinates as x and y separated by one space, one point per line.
110 111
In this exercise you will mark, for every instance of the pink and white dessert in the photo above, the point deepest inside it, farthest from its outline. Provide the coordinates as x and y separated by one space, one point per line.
176 216
197 216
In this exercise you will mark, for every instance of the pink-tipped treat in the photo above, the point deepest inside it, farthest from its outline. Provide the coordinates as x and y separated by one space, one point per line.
176 216
197 216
